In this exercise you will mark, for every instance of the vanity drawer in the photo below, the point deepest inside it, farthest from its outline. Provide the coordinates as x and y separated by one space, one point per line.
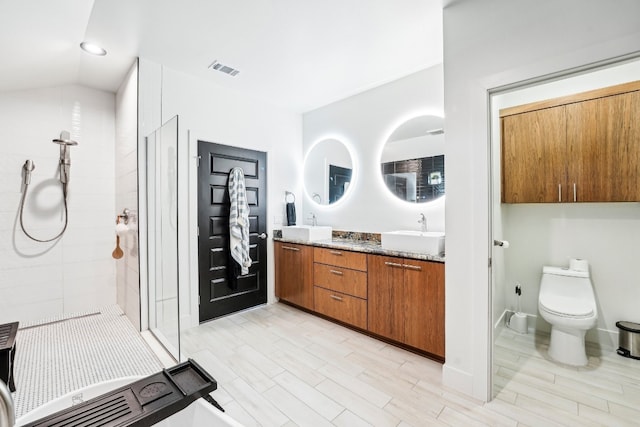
347 281
341 307
340 258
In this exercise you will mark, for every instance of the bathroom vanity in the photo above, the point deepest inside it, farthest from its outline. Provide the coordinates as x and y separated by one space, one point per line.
394 296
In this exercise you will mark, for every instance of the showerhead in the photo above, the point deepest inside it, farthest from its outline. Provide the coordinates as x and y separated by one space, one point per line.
65 139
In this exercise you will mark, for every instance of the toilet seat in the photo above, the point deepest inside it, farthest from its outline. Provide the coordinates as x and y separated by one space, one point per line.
566 307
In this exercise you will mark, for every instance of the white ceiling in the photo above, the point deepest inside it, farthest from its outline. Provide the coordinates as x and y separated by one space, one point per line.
297 54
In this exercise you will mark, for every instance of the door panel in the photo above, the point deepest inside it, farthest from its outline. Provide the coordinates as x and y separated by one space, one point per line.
222 289
533 153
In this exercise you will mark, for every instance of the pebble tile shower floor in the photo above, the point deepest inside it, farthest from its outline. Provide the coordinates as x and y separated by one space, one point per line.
58 355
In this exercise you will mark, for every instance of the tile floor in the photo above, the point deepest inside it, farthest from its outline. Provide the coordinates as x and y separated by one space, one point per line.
57 355
536 391
278 366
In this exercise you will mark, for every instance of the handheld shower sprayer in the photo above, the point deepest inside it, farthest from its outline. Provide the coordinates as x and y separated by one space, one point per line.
28 167
65 166
65 157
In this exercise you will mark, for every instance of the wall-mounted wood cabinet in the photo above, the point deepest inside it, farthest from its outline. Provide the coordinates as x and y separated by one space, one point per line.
578 148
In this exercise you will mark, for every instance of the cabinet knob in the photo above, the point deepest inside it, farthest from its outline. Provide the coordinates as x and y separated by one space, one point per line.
335 252
392 264
339 273
289 248
412 267
336 297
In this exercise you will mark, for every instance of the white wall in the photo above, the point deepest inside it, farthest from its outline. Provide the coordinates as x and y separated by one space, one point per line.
212 113
76 273
486 45
128 274
364 122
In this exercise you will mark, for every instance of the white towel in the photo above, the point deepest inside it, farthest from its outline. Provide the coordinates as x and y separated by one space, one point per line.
239 220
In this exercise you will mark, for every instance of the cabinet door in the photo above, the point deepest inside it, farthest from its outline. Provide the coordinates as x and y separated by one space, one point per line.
385 296
294 269
603 140
424 305
533 156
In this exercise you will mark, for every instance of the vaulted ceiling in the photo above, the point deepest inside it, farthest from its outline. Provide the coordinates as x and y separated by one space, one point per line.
297 54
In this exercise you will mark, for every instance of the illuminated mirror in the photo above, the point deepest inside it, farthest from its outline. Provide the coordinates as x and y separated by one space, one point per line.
412 162
328 171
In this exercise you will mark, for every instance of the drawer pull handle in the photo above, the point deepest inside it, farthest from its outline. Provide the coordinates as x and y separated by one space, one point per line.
412 267
339 273
392 264
289 248
335 252
336 297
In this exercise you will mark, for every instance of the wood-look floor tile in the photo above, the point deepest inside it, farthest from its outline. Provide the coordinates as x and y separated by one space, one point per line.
295 409
604 418
349 419
456 418
356 404
361 388
316 400
255 404
277 365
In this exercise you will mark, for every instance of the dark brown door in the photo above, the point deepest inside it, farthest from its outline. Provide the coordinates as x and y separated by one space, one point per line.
222 289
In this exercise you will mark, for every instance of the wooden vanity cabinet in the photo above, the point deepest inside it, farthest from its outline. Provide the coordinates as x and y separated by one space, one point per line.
579 148
406 302
340 285
294 273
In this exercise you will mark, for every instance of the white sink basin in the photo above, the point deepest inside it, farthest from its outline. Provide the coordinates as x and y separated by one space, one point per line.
308 233
424 242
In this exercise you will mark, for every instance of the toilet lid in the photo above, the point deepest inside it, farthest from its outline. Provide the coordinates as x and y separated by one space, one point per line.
566 307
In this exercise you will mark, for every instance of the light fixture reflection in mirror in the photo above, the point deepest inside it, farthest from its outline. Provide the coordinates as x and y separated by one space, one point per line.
412 161
328 171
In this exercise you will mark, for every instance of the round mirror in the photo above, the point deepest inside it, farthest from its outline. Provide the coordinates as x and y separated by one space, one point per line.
412 161
327 171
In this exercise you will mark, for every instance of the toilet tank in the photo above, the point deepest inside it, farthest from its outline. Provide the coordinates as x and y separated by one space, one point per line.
560 271
566 283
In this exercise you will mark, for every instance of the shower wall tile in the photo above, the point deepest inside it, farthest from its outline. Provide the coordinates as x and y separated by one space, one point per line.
126 172
77 272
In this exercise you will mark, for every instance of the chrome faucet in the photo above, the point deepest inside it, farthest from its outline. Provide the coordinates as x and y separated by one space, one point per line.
7 414
423 221
314 219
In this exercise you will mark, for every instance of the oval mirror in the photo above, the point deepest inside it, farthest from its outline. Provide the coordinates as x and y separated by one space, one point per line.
412 161
327 171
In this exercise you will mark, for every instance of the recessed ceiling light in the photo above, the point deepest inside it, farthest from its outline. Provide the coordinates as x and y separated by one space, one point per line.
93 49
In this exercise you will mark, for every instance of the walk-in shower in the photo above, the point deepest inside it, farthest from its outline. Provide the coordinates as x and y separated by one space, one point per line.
65 142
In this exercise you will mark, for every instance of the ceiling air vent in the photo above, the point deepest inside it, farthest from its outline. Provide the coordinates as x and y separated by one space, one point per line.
215 65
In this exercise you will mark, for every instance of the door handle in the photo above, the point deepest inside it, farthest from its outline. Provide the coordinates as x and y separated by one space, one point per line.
263 235
503 243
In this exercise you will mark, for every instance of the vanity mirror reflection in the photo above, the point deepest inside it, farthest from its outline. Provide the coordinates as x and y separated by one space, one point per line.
412 161
327 171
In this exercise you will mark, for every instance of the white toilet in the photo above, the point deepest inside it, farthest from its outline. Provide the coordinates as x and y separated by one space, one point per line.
567 302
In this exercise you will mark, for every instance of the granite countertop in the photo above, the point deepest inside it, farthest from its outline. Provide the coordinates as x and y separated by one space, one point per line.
366 246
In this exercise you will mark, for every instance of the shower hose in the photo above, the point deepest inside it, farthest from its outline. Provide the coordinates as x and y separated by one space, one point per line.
66 214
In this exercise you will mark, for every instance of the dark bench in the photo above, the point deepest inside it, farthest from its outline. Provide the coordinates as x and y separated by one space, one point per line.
8 333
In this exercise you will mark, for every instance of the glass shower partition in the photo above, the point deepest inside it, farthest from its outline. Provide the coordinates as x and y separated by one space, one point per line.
162 211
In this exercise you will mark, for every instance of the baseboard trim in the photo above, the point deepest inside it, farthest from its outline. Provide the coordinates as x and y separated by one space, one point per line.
457 379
